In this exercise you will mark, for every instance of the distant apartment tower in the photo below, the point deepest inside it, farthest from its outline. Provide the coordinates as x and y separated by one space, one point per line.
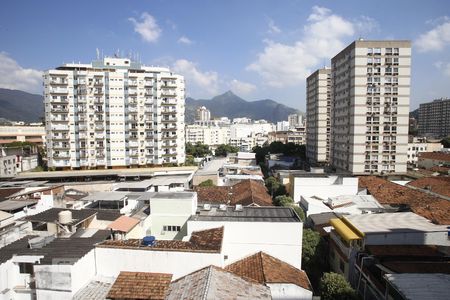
370 107
434 118
203 114
113 113
295 120
318 106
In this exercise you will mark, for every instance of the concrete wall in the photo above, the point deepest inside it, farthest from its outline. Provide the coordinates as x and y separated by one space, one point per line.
197 179
408 238
289 291
282 240
110 261
323 187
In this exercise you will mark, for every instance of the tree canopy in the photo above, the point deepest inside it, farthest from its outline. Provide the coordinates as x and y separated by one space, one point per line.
223 150
289 149
333 286
197 150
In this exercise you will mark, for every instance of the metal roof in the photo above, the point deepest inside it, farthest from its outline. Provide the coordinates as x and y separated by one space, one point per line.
212 167
106 196
247 214
51 215
9 205
345 231
419 286
388 222
173 195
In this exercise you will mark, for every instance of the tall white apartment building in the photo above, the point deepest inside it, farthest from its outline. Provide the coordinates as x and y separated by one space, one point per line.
203 114
113 113
318 116
295 120
370 107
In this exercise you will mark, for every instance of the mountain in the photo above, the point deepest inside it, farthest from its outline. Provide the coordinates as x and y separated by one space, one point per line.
231 106
414 114
21 106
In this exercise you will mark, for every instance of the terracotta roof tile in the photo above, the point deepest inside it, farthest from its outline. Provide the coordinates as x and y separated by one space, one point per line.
249 192
246 192
201 241
433 208
140 285
438 185
216 283
264 268
435 156
440 169
214 194
124 224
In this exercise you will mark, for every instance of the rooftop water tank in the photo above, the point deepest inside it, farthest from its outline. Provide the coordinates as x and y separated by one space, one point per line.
148 240
65 217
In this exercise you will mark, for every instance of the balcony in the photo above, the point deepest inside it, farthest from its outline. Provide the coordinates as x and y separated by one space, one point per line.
55 120
168 94
98 127
98 91
59 110
60 128
169 120
60 100
58 91
99 82
133 144
148 83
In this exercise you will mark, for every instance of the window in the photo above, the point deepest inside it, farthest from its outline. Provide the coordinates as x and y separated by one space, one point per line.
26 268
172 228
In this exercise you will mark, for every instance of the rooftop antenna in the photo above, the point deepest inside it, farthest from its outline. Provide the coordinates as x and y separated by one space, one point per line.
98 53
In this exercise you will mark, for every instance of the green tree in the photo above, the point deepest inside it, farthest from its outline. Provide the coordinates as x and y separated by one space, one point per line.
446 142
333 286
314 256
282 200
223 150
298 210
208 182
197 150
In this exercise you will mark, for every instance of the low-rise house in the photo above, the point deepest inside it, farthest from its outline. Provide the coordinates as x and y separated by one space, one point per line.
387 193
246 193
203 248
209 171
321 185
10 229
419 146
215 283
125 228
47 268
169 212
125 202
140 285
248 230
284 280
354 233
428 160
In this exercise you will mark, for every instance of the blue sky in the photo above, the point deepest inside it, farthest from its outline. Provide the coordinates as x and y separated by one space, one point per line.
258 49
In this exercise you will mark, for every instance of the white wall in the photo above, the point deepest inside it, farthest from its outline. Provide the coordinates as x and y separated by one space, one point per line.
324 187
111 261
282 240
408 238
288 291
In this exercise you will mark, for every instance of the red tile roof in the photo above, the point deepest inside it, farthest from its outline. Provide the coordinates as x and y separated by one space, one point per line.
439 169
264 268
431 207
438 185
435 156
140 285
245 192
124 224
209 240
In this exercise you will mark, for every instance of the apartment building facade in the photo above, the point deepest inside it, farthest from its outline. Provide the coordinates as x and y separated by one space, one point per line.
113 113
318 107
370 107
211 135
434 118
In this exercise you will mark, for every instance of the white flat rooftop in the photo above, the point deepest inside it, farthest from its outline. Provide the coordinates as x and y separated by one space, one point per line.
106 196
394 222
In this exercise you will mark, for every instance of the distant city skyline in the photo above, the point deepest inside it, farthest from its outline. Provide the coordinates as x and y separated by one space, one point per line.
257 49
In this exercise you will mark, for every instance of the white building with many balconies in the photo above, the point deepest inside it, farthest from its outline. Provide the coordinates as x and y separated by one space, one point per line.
113 113
370 107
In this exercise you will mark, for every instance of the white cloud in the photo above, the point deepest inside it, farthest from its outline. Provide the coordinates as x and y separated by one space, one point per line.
204 83
185 40
436 39
15 77
444 67
148 29
365 24
286 65
241 88
273 29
